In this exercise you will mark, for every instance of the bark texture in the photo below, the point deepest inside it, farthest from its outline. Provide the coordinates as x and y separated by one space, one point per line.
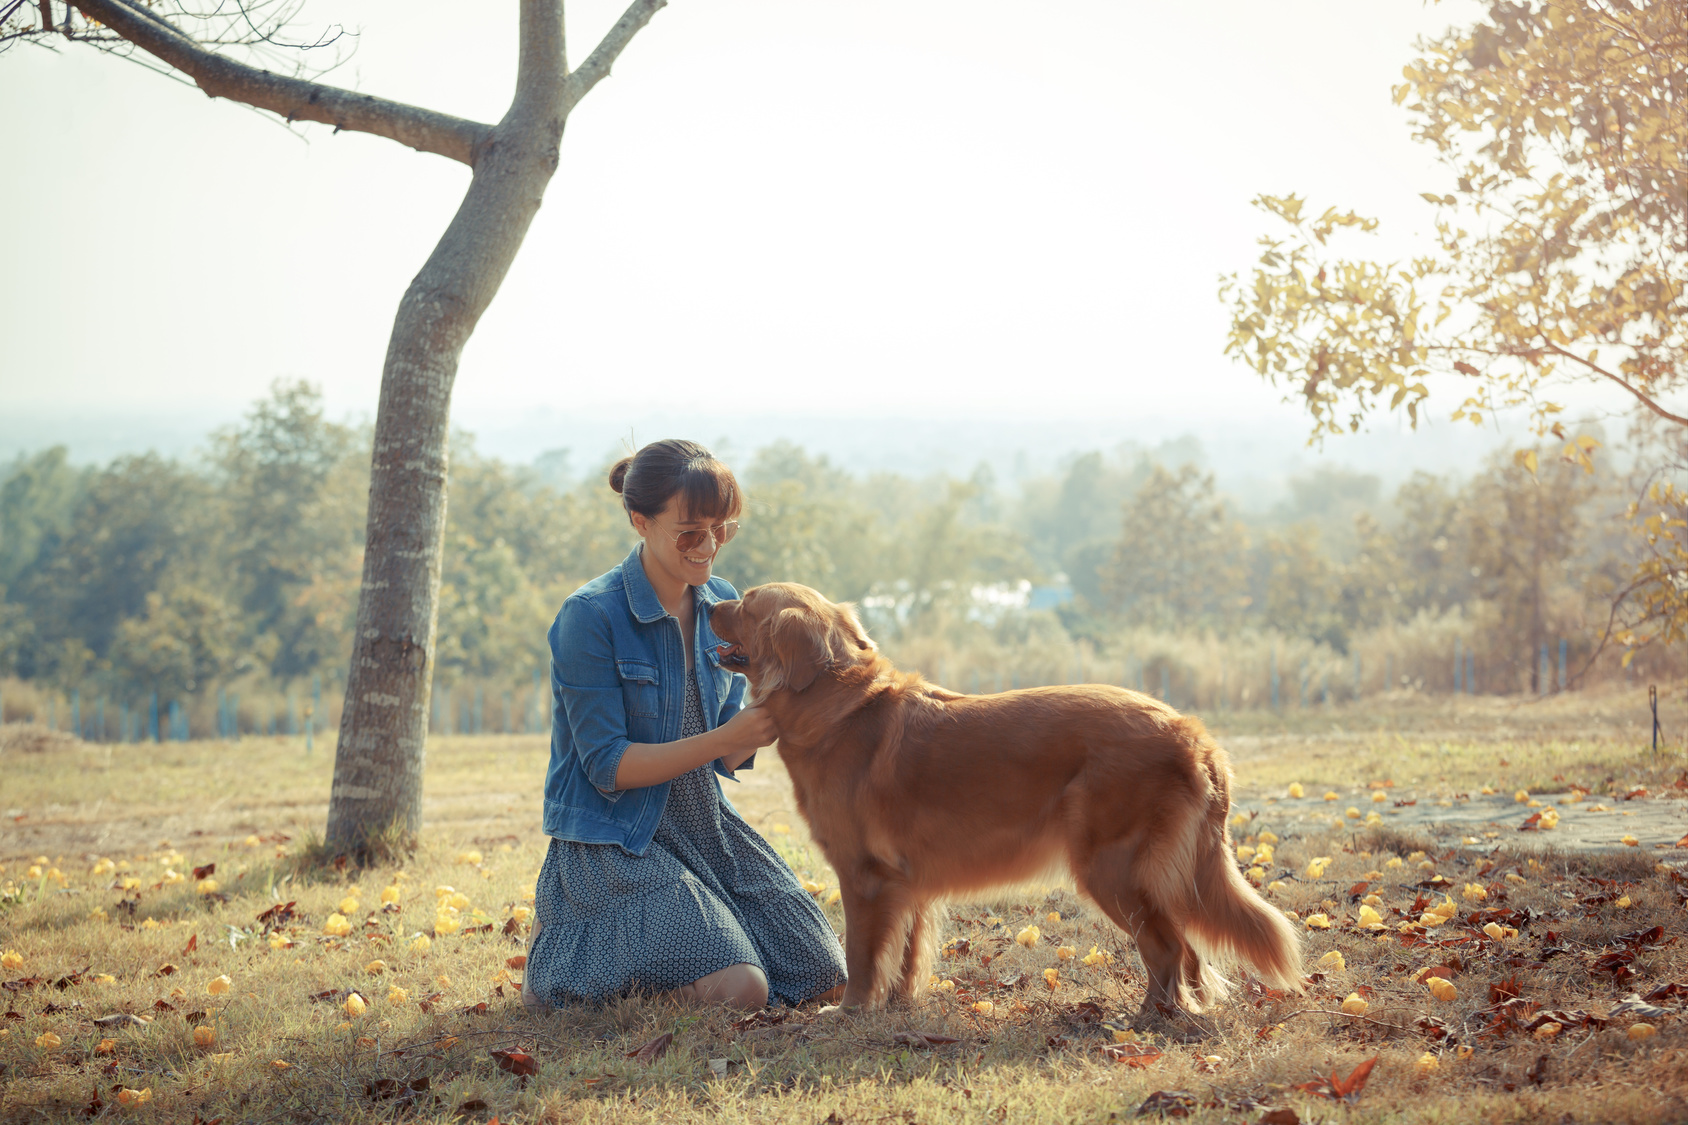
379 760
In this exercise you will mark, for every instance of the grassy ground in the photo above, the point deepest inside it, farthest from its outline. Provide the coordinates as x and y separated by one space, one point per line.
278 1044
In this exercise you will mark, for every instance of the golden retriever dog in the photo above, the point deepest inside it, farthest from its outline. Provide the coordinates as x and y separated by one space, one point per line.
917 794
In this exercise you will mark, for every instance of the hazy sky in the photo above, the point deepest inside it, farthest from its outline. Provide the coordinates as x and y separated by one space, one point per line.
1007 210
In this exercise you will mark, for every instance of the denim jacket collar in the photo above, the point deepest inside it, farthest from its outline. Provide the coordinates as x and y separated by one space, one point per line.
641 595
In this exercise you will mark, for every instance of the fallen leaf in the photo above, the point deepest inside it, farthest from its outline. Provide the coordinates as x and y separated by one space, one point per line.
1131 1054
923 1039
653 1050
1168 1103
519 1063
1345 1089
205 872
193 944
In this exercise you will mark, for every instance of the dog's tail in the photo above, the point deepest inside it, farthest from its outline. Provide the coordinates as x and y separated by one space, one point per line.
1224 917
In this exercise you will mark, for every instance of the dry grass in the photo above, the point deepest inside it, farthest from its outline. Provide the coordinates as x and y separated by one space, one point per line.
1037 1055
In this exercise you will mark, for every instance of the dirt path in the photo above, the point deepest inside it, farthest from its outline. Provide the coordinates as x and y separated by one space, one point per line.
1656 823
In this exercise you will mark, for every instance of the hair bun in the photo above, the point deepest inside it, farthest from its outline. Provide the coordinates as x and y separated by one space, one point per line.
618 473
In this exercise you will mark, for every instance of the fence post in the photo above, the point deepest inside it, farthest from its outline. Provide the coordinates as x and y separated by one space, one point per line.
1544 672
1471 670
1561 663
152 715
76 711
99 718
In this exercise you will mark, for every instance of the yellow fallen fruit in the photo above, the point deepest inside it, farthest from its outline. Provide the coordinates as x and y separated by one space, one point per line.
1333 961
1522 796
1330 795
389 895
282 1064
1318 922
1028 936
11 959
1370 917
1352 813
422 944
1426 865
1374 818
348 905
1052 917
1394 863
104 978
106 1047
354 1005
1052 977
1441 988
1495 930
47 1041
471 858
1355 1005
207 887
1427 1063
1630 841
397 995
984 1007
204 1036
337 925
458 901
812 887
1098 957
375 967
1549 1030
1264 855
1295 789
1623 903
1549 819
1065 953
1245 852
1474 892
216 986
129 1099
1640 1031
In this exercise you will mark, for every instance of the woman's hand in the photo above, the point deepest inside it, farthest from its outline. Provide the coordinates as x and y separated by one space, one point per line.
749 731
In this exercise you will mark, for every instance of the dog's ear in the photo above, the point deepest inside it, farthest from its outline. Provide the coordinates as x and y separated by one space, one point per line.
848 627
795 644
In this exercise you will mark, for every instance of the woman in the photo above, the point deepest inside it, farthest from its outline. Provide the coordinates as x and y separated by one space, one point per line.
652 881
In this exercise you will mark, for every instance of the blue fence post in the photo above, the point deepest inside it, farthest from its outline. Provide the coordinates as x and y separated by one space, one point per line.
292 712
1544 671
480 709
316 709
1561 663
1274 677
1471 671
99 719
1459 666
152 715
234 714
76 710
175 720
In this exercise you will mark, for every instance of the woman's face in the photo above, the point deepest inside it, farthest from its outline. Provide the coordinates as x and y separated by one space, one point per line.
659 532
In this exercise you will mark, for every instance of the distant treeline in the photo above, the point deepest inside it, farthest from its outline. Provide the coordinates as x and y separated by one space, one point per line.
242 567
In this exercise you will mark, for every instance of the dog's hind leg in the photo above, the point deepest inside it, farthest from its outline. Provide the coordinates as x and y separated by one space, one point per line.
925 921
1167 957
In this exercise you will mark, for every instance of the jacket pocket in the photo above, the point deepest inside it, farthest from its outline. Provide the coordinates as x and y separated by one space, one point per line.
640 689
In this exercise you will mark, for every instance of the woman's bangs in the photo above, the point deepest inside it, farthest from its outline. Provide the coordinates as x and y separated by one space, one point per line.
709 491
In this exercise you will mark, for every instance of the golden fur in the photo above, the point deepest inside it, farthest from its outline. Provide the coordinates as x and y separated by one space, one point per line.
917 794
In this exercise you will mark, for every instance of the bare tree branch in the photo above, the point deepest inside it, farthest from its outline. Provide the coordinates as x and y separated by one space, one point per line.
597 65
46 15
293 98
1640 395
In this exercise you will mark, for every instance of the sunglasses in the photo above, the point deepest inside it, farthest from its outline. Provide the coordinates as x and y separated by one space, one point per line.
686 541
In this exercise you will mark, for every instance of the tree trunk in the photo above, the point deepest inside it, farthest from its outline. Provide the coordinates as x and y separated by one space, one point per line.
378 763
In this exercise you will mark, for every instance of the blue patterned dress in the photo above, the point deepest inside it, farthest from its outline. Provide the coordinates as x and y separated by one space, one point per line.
708 893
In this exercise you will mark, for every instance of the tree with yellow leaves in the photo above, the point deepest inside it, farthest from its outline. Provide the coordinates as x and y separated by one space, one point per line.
1560 257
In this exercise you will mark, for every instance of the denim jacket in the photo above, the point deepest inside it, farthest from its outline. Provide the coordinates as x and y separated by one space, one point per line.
617 677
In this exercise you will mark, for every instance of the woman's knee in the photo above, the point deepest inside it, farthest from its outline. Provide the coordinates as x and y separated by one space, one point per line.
739 986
